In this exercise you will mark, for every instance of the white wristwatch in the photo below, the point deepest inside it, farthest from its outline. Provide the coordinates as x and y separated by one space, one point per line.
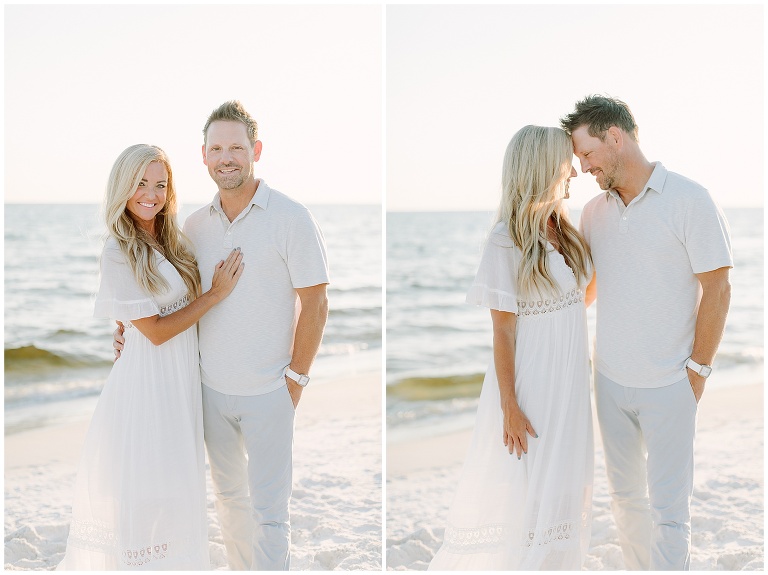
299 378
702 370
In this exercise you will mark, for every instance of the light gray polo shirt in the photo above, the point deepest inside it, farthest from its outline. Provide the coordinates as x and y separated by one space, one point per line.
246 340
645 256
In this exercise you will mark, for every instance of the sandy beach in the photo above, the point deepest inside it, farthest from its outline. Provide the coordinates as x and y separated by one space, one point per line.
727 508
336 504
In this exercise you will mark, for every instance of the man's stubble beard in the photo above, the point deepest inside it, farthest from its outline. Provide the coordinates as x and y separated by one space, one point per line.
610 178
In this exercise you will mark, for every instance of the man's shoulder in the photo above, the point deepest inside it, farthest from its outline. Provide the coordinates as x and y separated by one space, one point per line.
685 188
596 202
197 218
198 214
683 195
283 204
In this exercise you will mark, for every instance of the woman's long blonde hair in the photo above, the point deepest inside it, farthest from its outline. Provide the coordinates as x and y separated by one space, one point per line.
134 242
537 165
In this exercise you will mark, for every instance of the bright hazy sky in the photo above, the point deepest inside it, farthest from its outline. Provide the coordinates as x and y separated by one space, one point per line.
83 82
461 80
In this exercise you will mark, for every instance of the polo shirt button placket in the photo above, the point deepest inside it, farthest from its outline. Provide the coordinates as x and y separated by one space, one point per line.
229 239
624 222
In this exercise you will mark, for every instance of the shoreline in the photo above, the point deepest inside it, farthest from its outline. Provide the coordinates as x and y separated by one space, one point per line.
412 421
727 508
335 506
31 415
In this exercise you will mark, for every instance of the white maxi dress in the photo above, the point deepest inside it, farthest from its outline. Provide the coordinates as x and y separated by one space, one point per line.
140 490
533 513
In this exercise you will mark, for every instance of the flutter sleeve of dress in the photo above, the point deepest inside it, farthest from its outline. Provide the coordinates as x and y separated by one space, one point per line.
120 296
495 285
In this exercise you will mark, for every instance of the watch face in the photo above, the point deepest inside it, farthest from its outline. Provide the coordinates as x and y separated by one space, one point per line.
303 380
705 371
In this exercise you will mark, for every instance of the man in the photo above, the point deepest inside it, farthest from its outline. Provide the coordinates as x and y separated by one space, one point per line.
257 346
662 254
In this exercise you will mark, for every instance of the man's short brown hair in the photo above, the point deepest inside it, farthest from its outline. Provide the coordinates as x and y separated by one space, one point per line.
599 113
233 111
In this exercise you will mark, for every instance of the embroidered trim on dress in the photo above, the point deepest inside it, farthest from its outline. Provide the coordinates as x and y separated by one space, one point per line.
473 539
167 309
145 555
542 307
547 535
491 537
97 536
175 306
93 536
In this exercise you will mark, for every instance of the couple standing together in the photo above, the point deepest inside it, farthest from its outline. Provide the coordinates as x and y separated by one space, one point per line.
251 268
654 252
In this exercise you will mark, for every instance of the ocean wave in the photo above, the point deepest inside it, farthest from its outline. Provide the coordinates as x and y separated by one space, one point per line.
360 289
40 392
374 311
30 359
436 388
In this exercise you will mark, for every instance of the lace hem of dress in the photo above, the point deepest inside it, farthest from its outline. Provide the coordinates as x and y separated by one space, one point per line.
97 536
492 537
558 532
169 308
145 555
93 536
546 306
474 539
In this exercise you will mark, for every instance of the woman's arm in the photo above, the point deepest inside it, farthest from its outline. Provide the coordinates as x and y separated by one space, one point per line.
516 424
158 329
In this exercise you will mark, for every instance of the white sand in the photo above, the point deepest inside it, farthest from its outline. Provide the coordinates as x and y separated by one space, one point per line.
336 505
727 509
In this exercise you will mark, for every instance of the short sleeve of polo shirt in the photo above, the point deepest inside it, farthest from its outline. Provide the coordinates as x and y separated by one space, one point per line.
120 296
707 236
495 284
306 255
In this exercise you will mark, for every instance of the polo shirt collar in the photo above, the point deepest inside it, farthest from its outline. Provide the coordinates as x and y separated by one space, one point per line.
260 198
655 183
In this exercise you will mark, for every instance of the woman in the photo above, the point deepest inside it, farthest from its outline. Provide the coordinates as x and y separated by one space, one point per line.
140 491
524 497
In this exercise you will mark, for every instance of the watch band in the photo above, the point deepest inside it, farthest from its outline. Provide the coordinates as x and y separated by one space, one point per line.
702 370
299 378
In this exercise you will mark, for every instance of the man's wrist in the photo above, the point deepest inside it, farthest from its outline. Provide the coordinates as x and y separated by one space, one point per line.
301 379
702 370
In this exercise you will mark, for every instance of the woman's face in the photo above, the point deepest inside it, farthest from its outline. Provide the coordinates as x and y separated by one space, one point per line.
149 197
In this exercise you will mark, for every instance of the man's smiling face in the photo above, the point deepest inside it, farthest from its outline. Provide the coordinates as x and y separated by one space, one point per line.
229 154
597 157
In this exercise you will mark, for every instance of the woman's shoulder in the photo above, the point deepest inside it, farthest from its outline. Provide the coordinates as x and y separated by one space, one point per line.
112 253
111 249
499 236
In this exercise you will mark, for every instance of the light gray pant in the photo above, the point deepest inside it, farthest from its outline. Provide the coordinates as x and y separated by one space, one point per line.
253 492
648 437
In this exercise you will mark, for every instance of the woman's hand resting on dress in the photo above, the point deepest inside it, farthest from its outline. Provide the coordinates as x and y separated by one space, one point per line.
226 274
516 429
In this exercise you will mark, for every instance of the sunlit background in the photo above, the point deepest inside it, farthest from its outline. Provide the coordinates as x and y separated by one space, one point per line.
83 82
461 80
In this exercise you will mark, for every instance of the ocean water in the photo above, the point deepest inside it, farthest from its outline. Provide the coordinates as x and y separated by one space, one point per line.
57 356
438 347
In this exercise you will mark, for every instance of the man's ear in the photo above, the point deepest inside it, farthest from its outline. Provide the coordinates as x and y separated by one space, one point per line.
257 151
205 158
615 137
